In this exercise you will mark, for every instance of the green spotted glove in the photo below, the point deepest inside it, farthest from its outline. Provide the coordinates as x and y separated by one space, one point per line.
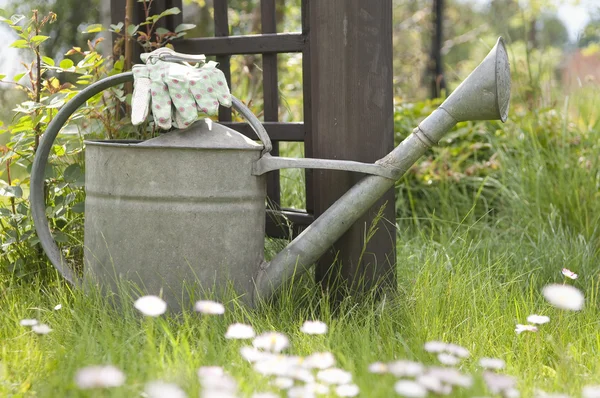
176 93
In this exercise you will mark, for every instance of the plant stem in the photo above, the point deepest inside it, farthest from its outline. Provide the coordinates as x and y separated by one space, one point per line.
9 181
37 84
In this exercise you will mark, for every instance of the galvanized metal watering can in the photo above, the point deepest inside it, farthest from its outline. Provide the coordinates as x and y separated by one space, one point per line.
189 206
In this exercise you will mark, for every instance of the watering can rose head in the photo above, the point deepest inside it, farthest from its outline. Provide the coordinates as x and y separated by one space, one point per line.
175 93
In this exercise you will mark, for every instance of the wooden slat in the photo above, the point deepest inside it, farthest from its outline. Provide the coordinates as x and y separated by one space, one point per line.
278 131
271 95
436 65
306 99
278 223
222 31
249 44
172 21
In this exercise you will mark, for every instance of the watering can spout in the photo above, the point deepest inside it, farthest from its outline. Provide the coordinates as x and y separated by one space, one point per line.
483 95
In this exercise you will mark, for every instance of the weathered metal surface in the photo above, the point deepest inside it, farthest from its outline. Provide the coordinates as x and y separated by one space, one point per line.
164 213
268 163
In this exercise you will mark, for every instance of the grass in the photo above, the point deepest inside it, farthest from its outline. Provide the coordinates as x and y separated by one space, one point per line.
473 257
470 291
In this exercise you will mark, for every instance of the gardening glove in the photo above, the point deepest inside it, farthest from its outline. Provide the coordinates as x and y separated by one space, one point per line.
175 92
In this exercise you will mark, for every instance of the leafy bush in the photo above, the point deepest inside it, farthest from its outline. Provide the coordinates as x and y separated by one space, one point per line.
48 84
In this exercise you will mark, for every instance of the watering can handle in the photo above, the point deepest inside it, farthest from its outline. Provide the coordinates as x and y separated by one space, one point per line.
37 198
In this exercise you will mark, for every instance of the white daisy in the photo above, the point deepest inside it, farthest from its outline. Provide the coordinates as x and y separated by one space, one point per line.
210 371
538 319
347 390
448 359
314 327
492 363
264 395
409 388
282 382
525 328
160 389
569 274
28 322
451 376
271 341
432 383
405 368
151 305
334 376
41 328
435 346
378 368
498 383
239 331
209 307
565 297
276 365
457 351
591 392
253 354
302 374
301 392
318 388
99 377
319 360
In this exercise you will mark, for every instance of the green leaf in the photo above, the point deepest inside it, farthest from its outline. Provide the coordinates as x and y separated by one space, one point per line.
48 61
170 11
131 29
60 237
19 44
184 26
59 150
11 191
93 28
39 39
18 77
162 31
73 173
116 28
66 63
2 77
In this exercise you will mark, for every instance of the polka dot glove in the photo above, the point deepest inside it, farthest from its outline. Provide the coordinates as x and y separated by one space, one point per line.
176 93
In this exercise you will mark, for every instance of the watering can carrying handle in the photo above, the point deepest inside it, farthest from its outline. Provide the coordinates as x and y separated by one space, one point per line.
37 197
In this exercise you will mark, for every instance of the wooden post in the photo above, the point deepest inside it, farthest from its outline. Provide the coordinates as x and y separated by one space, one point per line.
352 118
436 68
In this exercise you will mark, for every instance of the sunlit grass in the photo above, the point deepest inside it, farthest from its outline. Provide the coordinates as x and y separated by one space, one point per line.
471 292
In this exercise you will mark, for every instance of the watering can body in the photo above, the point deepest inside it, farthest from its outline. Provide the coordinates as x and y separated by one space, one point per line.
186 210
182 208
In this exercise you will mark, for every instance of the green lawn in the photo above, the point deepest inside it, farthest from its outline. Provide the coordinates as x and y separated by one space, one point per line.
473 256
472 291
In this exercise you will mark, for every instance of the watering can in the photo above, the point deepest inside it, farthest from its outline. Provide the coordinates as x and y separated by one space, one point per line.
188 207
